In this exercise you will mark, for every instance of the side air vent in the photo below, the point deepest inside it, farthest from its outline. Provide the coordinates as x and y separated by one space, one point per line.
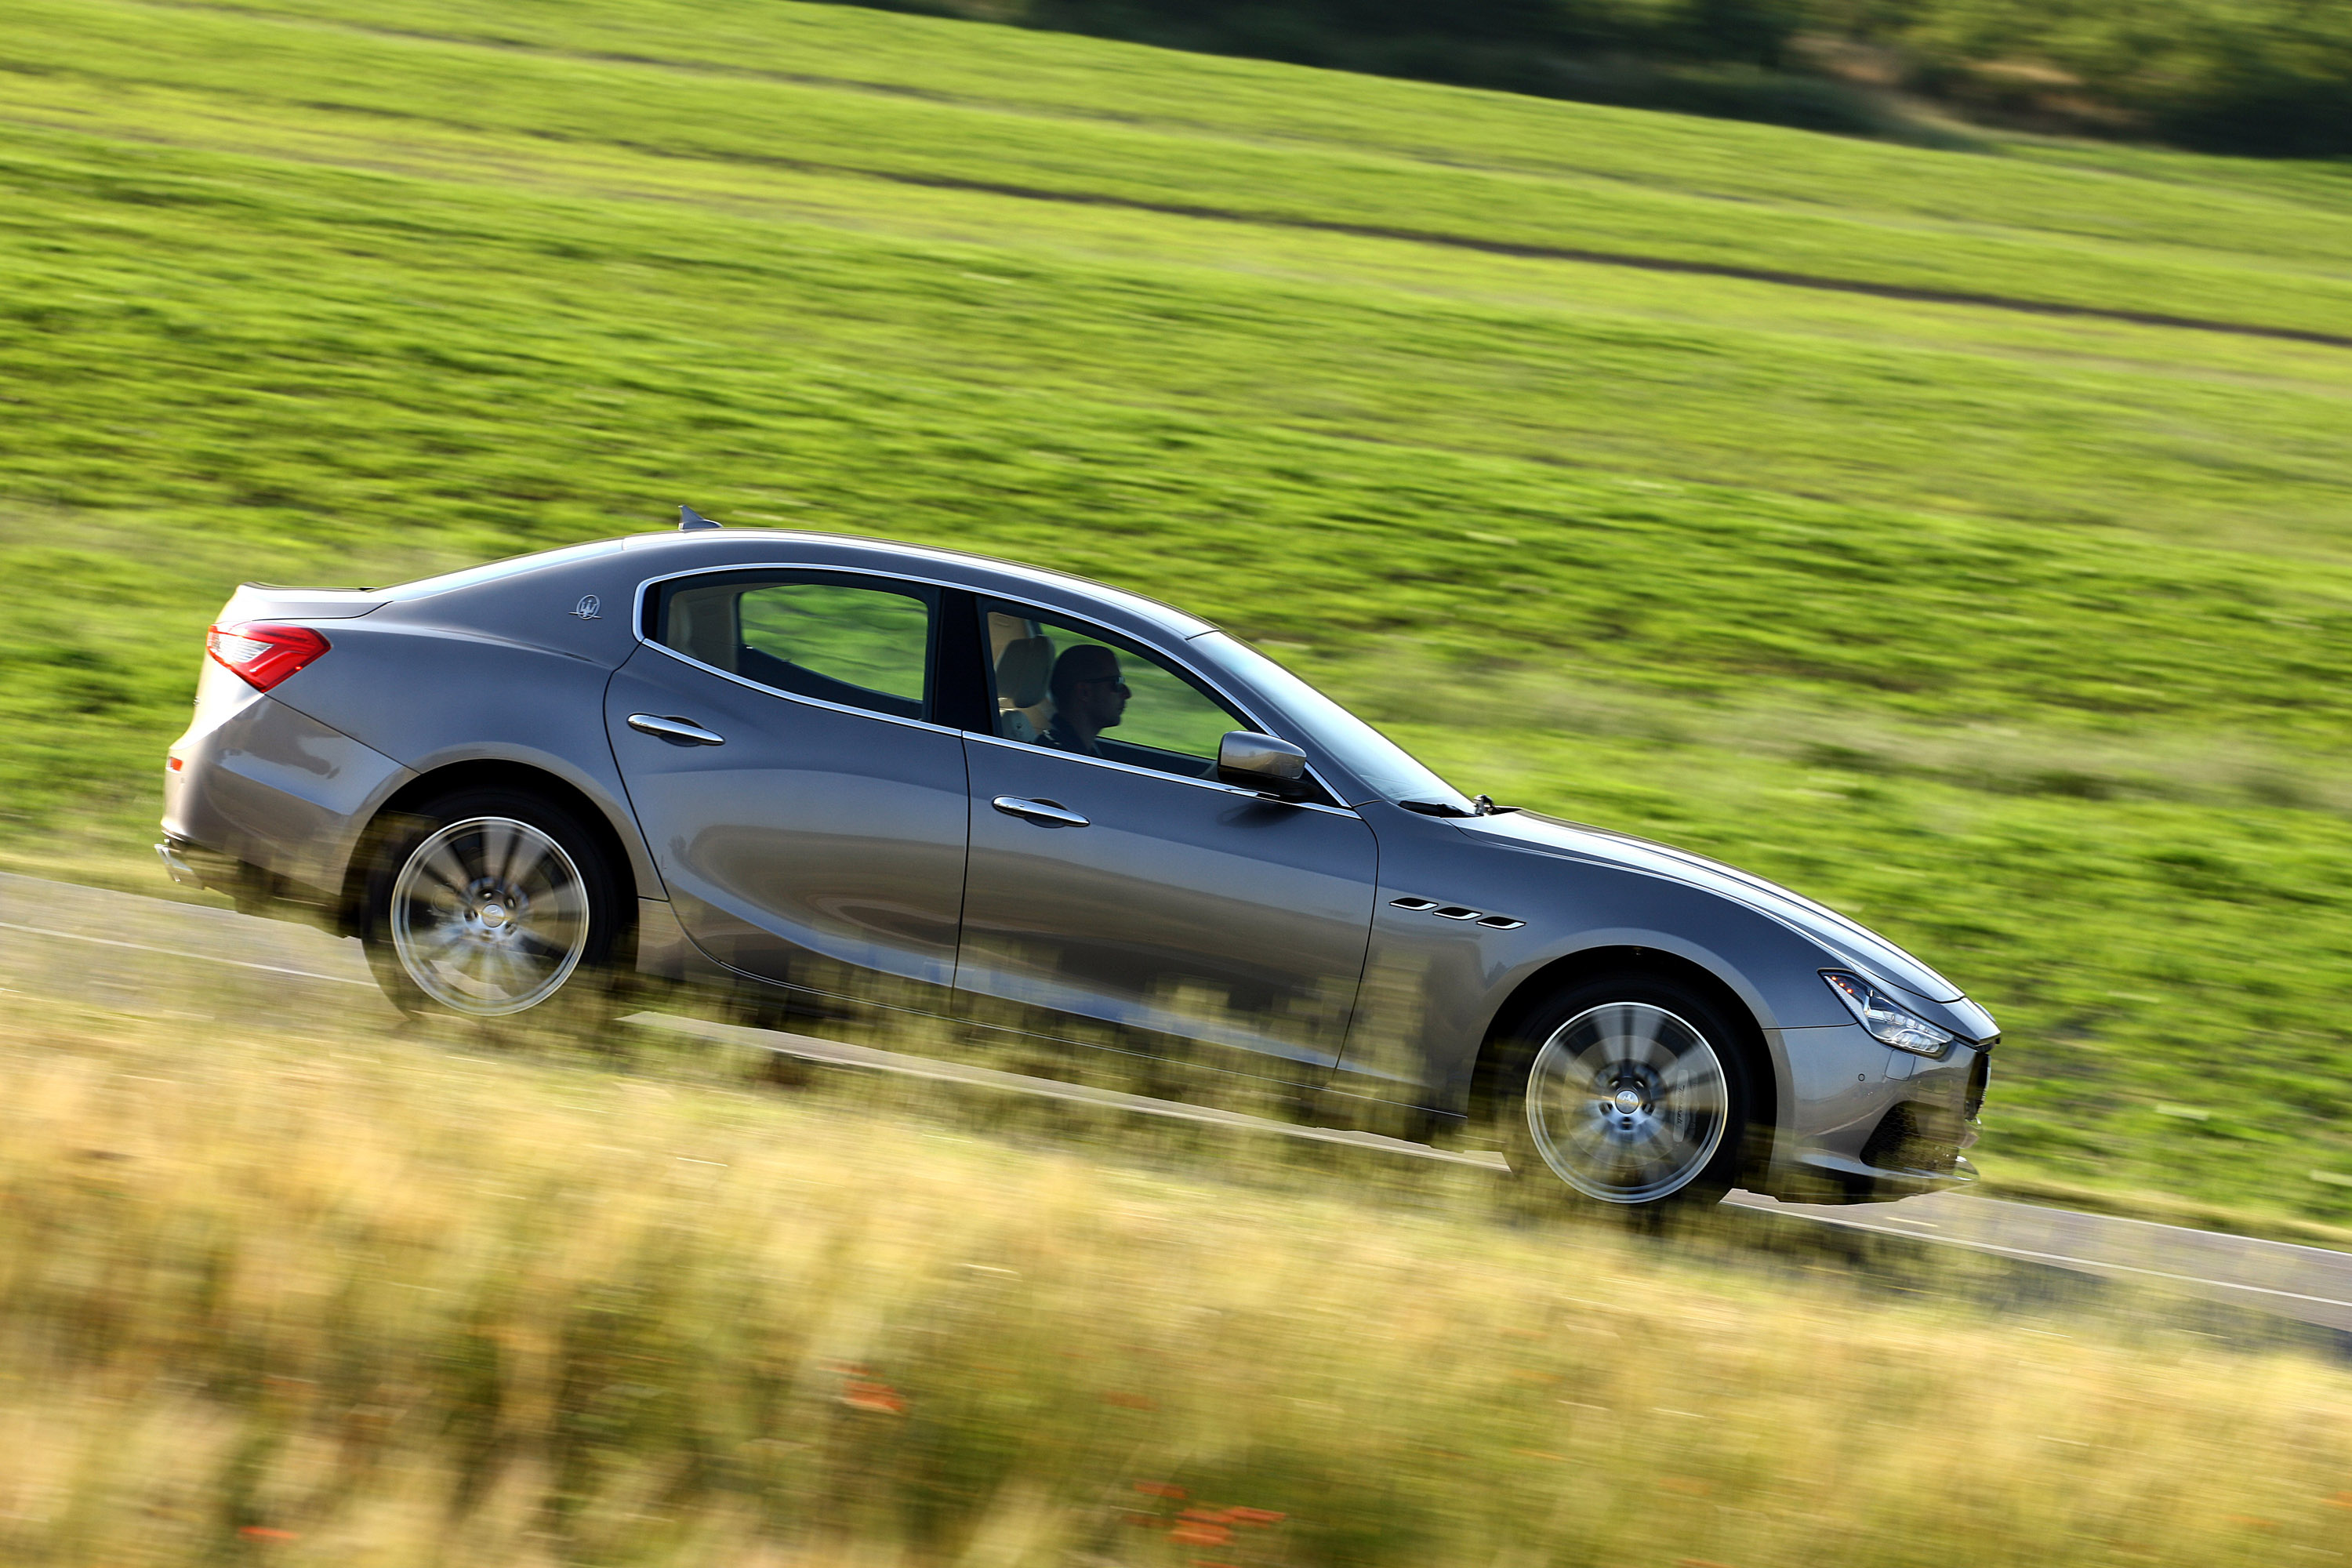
1463 913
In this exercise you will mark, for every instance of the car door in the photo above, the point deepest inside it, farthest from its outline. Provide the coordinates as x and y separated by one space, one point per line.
806 814
1112 879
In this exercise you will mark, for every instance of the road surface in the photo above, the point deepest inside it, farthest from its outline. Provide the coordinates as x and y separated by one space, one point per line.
154 957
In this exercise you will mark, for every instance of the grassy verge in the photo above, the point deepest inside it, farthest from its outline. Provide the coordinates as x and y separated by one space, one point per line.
336 1295
2026 640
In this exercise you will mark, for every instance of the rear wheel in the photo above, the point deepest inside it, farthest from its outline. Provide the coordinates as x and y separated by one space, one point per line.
1631 1093
488 903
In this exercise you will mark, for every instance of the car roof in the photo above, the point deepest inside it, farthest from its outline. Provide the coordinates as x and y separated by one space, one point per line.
677 551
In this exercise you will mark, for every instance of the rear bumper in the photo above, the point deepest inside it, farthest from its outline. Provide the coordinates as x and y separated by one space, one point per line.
270 789
177 865
256 889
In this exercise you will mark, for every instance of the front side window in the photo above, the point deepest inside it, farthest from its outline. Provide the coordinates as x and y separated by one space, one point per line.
1083 690
858 644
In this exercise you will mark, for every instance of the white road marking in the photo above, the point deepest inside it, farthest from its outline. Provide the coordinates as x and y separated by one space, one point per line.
840 1054
2093 1264
177 952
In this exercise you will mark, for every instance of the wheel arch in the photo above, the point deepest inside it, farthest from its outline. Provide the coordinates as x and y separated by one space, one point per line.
494 772
1622 958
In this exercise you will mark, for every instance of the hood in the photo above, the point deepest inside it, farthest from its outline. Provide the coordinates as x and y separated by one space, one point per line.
1865 948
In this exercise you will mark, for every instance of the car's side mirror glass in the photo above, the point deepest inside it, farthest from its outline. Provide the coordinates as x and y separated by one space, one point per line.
1262 762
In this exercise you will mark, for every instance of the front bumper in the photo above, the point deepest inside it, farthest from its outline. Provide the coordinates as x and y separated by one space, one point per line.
1904 1130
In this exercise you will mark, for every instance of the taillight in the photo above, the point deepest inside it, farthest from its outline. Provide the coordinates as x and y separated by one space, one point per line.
263 654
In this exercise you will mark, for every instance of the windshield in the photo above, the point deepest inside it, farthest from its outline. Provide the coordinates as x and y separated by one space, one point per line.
1384 766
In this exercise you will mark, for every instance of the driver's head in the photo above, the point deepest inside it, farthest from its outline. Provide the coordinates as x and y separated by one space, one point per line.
1086 689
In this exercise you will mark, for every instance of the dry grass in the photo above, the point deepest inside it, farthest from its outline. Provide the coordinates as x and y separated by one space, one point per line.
366 1297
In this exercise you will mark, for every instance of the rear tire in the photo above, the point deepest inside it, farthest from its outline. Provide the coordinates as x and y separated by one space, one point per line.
492 903
1629 1094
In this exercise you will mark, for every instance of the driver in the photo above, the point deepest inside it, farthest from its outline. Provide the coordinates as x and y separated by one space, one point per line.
1088 697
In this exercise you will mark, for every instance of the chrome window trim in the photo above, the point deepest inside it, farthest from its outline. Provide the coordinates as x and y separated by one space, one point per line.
766 690
637 630
1221 787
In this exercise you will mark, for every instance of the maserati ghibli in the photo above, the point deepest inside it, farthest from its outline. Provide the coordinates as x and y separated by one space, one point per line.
812 765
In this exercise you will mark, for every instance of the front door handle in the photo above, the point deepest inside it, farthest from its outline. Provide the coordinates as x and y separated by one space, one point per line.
677 731
1050 814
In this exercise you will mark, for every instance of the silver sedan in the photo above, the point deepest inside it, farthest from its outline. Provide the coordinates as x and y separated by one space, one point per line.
817 766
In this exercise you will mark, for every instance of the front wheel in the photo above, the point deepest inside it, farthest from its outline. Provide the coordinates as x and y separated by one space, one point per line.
488 903
1634 1093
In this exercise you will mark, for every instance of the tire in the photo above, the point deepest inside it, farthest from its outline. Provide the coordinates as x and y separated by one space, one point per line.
1631 1093
489 903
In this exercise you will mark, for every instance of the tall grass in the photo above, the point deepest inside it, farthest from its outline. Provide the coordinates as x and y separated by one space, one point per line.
343 1295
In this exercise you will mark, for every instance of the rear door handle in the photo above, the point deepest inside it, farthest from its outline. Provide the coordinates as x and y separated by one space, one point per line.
677 731
1050 814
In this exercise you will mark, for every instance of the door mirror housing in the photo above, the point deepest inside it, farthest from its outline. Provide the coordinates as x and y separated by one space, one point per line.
1263 764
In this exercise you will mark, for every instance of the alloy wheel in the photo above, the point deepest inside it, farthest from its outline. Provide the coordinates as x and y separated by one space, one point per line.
1627 1103
489 916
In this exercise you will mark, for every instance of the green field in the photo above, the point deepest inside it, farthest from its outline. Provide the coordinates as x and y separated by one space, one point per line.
2023 636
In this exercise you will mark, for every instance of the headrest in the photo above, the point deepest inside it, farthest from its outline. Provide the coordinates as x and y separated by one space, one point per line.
1022 670
702 625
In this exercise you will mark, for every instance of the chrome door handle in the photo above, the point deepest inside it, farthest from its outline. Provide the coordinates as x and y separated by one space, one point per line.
677 731
1049 812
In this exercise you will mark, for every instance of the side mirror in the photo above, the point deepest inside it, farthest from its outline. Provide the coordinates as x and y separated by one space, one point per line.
1262 762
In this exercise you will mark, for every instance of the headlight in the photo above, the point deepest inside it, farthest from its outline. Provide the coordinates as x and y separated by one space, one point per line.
1888 1023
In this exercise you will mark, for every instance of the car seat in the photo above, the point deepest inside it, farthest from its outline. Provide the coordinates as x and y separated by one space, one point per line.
704 625
1022 671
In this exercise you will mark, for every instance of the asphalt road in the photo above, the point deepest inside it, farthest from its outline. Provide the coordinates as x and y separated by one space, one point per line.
158 958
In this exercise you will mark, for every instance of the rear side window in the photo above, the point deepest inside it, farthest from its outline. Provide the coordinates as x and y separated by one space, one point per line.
856 642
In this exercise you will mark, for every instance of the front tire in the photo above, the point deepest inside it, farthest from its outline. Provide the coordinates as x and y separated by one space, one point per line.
486 903
1631 1094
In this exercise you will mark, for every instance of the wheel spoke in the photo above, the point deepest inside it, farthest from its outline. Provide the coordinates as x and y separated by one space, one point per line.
514 975
535 945
443 939
1655 1136
442 902
1590 1135
497 848
1593 1066
441 864
531 852
1647 1043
